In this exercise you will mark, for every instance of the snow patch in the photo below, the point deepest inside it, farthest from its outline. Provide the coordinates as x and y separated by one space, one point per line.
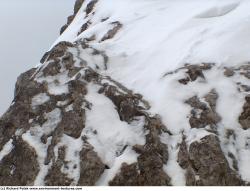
195 135
129 156
57 84
111 138
7 148
33 138
53 118
74 146
40 99
41 151
172 168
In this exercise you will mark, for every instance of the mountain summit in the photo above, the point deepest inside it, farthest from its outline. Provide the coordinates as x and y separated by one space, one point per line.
136 92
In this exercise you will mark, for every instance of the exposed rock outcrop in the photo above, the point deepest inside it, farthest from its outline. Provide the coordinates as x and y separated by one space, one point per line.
244 118
203 114
20 166
77 7
153 155
56 116
206 164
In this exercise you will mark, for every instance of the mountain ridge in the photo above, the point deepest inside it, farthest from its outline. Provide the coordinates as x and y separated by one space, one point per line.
110 106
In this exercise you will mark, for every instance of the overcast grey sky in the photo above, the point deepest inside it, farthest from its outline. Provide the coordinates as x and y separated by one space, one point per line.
27 30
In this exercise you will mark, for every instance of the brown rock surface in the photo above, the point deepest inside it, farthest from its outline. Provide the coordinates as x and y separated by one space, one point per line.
206 164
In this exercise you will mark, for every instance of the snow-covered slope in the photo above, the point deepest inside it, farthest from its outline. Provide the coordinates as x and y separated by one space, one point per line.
145 92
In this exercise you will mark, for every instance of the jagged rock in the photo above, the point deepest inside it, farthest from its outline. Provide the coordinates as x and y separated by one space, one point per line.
59 50
194 72
55 176
7 131
52 69
68 61
206 164
229 72
244 88
149 168
244 118
78 86
112 32
91 167
69 20
63 28
60 108
18 115
20 166
127 177
26 87
201 114
78 5
91 6
56 136
84 27
73 123
127 105
245 70
235 163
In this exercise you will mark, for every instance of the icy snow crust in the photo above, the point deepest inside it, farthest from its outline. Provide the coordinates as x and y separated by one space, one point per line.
159 36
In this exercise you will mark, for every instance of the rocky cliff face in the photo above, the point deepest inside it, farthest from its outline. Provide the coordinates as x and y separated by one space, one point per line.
126 98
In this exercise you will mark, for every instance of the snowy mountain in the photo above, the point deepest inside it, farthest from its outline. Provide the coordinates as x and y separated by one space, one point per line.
136 92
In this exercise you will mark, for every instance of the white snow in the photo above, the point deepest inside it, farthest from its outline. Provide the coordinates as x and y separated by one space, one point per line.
160 36
72 30
33 138
129 156
55 89
74 146
69 108
195 135
40 99
41 151
57 84
244 162
62 103
53 118
139 61
112 134
219 10
7 148
172 168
